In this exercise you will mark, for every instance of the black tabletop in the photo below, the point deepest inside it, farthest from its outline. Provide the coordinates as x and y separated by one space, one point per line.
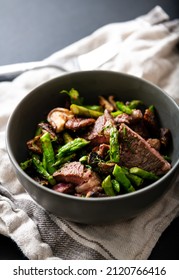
33 30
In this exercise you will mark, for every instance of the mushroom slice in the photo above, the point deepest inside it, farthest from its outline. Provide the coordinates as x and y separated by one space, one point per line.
58 117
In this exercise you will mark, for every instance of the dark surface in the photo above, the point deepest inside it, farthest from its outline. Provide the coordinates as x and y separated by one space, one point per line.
32 30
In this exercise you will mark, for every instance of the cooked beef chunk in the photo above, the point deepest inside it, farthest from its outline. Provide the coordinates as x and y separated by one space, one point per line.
72 172
64 188
100 132
113 102
140 129
102 150
105 104
76 173
78 123
154 143
93 184
34 144
135 117
151 122
135 151
47 127
105 167
165 137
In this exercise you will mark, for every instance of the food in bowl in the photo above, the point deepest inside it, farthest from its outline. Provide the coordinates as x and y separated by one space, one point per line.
99 150
35 107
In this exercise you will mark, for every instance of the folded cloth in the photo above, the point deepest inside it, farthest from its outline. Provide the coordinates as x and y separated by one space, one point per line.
145 47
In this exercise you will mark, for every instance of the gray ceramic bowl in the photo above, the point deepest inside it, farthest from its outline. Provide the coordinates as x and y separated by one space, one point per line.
90 84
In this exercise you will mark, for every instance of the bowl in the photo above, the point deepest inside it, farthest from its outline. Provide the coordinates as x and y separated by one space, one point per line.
90 84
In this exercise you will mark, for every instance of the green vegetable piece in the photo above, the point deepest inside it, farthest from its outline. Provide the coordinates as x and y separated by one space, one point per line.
24 165
135 104
116 113
82 111
84 159
124 108
63 160
136 180
74 96
38 131
114 145
41 170
107 186
94 107
67 138
122 178
71 147
115 185
152 109
48 153
143 173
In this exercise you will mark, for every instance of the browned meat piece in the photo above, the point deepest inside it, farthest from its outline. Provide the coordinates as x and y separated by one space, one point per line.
100 132
154 143
47 127
102 150
93 184
141 129
64 188
105 167
135 117
35 144
105 104
135 151
165 137
76 173
151 122
78 123
73 172
112 101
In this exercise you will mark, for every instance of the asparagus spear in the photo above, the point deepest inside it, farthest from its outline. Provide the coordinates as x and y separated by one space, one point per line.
71 147
122 178
143 173
114 145
107 186
63 160
41 170
115 185
67 138
82 111
124 108
48 153
24 165
138 181
134 104
74 96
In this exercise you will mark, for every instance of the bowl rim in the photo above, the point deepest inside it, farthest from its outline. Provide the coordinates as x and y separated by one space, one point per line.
90 199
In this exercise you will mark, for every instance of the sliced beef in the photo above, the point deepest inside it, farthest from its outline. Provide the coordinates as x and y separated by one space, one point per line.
78 123
151 122
102 150
154 143
135 117
46 127
34 144
92 185
83 178
135 151
67 188
72 172
100 132
165 137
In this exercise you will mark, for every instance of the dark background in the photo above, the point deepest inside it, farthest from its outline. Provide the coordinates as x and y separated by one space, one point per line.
33 30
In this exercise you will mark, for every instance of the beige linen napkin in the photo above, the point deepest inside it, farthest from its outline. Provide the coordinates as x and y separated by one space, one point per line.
145 47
